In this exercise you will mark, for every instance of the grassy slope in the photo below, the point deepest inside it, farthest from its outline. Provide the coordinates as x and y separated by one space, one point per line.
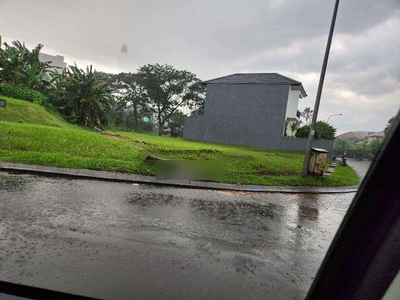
26 112
64 145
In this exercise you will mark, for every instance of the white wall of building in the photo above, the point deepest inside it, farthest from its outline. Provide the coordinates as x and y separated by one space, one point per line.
293 103
56 61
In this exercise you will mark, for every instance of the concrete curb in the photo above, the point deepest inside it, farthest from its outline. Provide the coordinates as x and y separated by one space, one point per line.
132 178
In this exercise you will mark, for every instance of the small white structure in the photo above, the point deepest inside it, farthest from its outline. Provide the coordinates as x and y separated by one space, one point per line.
57 61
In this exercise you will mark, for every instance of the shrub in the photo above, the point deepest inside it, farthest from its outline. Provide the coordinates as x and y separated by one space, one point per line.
21 92
323 131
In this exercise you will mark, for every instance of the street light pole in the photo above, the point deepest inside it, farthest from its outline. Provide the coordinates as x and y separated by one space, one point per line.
333 148
334 115
319 92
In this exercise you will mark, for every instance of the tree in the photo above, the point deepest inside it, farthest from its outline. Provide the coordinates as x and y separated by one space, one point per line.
85 94
386 130
375 145
307 115
176 122
323 131
132 93
361 148
168 89
340 144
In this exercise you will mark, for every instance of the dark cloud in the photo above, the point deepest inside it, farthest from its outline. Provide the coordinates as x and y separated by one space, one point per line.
217 37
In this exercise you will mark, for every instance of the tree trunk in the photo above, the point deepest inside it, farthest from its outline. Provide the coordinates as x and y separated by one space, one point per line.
160 126
135 115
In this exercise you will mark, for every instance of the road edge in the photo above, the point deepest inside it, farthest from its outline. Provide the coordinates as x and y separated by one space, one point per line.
140 179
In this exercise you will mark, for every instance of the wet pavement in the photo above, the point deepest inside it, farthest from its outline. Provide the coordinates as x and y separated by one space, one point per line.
360 166
123 241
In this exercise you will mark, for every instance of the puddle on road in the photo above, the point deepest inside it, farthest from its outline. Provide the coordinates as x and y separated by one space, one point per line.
12 183
154 199
247 265
308 213
172 209
221 210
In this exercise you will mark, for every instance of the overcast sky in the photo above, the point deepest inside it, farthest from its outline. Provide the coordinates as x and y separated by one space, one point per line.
214 38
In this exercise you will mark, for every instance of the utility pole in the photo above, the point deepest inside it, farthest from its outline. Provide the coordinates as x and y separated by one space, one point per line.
319 92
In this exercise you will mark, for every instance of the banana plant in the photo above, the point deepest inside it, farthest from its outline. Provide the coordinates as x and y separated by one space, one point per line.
19 65
85 94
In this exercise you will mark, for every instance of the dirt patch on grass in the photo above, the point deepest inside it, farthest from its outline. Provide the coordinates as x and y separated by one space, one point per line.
191 152
114 135
143 143
123 137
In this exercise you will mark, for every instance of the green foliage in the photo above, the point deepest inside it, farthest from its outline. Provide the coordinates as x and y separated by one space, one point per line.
169 89
78 148
375 145
364 148
361 149
25 112
21 92
139 125
83 93
19 65
340 144
323 131
361 146
65 145
386 130
131 95
125 120
175 123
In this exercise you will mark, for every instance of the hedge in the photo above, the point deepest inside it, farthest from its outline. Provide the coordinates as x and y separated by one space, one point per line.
21 92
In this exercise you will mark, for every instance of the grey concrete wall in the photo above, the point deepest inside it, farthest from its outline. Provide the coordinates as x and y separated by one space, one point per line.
246 114
280 143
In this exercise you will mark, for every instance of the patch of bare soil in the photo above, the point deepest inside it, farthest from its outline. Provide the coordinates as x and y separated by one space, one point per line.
114 135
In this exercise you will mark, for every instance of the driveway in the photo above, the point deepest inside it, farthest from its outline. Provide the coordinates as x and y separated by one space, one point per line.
124 241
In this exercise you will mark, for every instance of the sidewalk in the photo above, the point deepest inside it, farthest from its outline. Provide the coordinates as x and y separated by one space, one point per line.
132 178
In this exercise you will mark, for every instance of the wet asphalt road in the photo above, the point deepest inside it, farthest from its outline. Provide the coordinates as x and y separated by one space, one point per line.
124 241
361 167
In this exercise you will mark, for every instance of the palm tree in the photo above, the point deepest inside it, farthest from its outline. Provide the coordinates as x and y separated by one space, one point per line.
86 94
307 114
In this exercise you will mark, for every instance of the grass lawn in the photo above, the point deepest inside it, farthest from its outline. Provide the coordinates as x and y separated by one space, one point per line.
27 112
57 143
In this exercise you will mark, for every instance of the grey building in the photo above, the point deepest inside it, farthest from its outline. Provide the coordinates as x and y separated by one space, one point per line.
254 109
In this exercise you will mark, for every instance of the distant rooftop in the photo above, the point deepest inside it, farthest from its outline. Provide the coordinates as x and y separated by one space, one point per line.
351 135
258 78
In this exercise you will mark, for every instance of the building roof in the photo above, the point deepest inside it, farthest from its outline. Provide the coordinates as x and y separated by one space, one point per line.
364 133
378 134
258 78
351 135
